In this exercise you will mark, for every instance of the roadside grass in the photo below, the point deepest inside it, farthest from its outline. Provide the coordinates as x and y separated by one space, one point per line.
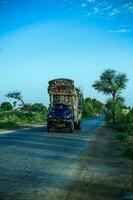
16 119
126 140
124 129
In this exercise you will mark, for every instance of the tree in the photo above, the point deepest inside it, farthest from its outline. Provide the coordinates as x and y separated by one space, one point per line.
119 104
38 107
27 107
111 83
6 106
17 96
92 107
14 104
87 108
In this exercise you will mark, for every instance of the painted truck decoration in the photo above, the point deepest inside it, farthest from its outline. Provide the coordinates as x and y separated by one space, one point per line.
65 108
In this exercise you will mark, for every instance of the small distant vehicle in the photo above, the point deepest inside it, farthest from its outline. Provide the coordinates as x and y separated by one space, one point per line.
65 108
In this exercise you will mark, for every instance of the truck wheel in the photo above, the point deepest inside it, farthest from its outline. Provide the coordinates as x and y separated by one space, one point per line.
71 129
48 128
75 126
78 126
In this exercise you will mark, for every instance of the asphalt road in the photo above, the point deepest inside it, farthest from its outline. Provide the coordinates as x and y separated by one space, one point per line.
36 165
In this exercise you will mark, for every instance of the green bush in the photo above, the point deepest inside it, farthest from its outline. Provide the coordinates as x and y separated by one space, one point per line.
125 126
92 107
8 125
6 106
38 107
126 140
128 146
125 122
20 118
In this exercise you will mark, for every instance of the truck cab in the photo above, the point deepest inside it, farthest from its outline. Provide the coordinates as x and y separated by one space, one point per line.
60 116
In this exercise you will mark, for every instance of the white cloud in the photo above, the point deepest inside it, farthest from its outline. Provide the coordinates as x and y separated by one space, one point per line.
83 5
90 1
96 10
114 12
107 8
121 30
87 14
128 6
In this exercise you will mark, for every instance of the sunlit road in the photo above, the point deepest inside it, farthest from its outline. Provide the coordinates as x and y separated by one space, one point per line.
36 165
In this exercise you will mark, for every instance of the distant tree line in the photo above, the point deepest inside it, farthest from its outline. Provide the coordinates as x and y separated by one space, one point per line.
92 107
17 97
20 113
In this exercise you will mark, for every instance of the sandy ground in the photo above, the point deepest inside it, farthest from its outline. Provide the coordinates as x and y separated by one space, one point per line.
104 173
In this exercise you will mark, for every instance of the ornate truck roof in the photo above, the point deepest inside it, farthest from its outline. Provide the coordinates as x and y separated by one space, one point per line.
61 80
61 85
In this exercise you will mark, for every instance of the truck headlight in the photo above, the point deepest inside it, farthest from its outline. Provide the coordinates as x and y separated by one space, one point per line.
68 116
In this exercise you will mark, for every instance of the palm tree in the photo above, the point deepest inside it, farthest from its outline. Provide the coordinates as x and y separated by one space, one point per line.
112 84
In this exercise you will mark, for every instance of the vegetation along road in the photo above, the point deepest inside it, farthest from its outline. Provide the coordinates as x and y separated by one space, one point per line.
84 165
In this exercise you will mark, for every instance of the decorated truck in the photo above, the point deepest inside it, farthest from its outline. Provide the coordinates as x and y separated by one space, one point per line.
65 108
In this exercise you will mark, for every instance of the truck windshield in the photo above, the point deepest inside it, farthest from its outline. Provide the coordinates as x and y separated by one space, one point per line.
61 107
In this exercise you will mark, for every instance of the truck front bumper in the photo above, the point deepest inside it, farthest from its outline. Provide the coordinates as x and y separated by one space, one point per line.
59 123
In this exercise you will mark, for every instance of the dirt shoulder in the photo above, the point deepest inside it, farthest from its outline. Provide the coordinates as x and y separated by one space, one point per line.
103 173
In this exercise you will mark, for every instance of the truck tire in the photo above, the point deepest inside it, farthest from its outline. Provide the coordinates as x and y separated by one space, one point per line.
71 129
48 127
78 126
75 126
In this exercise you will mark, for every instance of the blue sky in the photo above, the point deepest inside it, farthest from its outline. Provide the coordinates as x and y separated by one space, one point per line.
78 39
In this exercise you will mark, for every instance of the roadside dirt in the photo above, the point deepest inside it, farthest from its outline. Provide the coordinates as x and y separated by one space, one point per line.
103 173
